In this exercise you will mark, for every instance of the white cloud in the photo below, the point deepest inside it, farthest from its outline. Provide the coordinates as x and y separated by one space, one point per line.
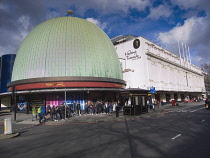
24 26
179 33
160 12
194 32
98 23
187 4
53 14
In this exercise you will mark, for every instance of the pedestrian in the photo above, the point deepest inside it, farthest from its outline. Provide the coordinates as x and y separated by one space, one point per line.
67 111
71 109
114 107
100 107
78 109
110 107
94 108
117 110
86 108
62 111
34 113
52 113
48 109
106 107
90 107
39 112
56 113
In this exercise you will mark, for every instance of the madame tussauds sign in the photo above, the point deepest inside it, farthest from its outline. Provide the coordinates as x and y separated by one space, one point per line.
132 55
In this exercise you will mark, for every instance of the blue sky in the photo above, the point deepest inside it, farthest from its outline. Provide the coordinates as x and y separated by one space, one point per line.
165 22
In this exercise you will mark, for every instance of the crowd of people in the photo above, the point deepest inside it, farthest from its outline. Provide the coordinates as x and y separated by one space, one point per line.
73 109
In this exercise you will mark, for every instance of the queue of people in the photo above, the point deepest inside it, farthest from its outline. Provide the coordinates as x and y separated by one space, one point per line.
73 109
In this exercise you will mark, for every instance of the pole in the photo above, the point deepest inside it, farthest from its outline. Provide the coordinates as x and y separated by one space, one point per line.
189 54
65 103
179 53
14 103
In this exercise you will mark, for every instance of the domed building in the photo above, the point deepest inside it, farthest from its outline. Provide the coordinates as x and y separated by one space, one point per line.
66 58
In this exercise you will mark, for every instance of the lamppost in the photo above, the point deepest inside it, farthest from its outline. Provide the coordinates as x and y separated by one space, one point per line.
65 103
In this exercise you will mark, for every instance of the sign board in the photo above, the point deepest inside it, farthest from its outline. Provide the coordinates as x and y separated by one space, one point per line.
152 90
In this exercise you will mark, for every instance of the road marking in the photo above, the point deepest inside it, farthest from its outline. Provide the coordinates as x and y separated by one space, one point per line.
197 109
176 136
202 121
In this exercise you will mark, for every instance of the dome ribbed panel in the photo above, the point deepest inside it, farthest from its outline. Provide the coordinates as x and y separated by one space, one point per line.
66 46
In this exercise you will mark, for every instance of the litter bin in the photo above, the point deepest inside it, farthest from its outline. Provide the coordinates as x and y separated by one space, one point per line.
173 103
7 126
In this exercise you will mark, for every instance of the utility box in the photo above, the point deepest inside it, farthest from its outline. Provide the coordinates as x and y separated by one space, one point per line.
7 126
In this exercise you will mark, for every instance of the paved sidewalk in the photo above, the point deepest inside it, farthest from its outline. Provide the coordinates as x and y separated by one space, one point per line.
22 118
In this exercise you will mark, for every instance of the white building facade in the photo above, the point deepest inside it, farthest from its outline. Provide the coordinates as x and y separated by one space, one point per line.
146 64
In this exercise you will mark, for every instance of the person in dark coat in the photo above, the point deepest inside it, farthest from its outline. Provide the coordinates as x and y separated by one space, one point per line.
86 108
52 113
78 109
117 110
62 111
48 109
57 112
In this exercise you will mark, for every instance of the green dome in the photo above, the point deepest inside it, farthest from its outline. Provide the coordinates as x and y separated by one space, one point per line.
66 46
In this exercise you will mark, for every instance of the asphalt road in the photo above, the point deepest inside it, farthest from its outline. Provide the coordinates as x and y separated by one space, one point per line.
180 133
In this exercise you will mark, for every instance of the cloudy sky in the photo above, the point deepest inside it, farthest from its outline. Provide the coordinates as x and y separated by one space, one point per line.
165 22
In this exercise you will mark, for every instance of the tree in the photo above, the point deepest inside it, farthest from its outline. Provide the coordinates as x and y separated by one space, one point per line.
206 67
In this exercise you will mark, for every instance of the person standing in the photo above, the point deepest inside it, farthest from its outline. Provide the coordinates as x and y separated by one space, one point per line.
110 107
86 108
52 113
114 107
117 110
56 113
34 113
106 107
78 109
67 111
62 108
90 107
39 111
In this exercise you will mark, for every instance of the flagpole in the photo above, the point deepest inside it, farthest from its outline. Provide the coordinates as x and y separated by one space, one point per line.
189 54
179 53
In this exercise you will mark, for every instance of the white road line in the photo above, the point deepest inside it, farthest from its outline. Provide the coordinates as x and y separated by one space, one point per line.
202 120
176 136
197 109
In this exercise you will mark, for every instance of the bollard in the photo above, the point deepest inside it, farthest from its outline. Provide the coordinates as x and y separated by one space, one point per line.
7 126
